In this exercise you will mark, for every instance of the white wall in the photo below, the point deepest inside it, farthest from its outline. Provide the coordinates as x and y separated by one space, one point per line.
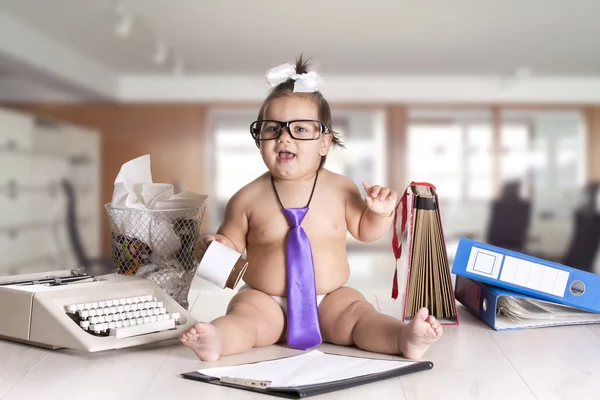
16 89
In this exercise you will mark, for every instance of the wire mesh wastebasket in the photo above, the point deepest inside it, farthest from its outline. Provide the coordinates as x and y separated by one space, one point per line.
157 245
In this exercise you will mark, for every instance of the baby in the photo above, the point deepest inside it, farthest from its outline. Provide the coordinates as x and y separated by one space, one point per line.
294 134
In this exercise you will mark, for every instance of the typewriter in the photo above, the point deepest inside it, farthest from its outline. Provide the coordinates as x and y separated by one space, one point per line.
69 309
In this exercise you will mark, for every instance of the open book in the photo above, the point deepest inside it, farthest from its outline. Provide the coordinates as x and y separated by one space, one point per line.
308 374
429 283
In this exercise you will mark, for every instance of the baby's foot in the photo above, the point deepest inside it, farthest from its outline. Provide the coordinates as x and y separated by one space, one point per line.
204 340
419 334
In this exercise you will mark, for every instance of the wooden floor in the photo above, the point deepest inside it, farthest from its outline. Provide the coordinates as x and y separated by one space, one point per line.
470 361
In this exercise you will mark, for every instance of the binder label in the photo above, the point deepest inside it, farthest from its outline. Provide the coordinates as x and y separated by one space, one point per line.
517 271
484 262
534 276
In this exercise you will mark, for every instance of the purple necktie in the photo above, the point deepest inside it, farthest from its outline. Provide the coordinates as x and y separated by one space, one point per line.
303 330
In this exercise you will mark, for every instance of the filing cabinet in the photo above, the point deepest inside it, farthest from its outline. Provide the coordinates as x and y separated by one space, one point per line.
35 155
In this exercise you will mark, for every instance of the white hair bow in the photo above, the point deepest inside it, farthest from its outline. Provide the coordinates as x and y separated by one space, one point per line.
309 82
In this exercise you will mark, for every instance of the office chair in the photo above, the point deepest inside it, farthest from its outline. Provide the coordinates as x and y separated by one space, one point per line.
510 218
585 240
92 266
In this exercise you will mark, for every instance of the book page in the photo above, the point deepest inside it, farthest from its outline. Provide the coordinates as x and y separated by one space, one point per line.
429 282
523 309
520 313
306 369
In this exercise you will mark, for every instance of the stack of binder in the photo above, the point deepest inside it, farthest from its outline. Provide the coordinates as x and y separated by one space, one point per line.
511 290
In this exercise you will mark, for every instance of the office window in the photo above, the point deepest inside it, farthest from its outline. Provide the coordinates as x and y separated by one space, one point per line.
435 153
233 160
479 161
545 150
453 151
515 154
237 159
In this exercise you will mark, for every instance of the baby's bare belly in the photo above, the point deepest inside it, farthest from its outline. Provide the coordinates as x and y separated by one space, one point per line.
267 268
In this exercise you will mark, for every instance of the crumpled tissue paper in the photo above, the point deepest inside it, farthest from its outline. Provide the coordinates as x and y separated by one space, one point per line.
134 189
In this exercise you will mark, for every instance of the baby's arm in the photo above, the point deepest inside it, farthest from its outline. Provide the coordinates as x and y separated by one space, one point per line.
235 223
233 229
369 219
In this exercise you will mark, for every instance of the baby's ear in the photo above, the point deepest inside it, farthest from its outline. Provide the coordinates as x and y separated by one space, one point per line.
325 143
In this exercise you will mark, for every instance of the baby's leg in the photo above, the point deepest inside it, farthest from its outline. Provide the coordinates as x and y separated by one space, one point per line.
347 318
253 319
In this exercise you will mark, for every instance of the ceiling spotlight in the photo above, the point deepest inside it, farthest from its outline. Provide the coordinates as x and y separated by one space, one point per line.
160 54
124 25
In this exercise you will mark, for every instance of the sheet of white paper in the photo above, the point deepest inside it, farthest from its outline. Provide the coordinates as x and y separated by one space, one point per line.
306 369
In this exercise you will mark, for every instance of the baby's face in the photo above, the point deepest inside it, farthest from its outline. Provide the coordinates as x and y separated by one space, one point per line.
286 157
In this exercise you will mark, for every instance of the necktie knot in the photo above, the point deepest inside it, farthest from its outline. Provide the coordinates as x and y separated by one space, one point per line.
295 215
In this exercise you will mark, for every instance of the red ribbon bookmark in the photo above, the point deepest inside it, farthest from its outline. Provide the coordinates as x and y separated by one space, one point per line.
397 239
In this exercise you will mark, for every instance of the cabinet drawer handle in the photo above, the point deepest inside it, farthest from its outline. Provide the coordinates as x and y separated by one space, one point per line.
13 189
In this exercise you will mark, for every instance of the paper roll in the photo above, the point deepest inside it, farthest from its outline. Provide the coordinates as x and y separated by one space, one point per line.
222 266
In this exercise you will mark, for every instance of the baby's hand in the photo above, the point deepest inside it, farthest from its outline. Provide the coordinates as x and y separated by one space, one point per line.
380 200
203 243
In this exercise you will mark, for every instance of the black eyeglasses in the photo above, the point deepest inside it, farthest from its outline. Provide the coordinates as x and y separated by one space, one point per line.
302 129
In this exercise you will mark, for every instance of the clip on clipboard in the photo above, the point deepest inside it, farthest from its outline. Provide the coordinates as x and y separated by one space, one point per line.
308 374
245 382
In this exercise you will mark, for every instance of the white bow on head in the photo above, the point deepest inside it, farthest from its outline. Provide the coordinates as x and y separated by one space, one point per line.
309 82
